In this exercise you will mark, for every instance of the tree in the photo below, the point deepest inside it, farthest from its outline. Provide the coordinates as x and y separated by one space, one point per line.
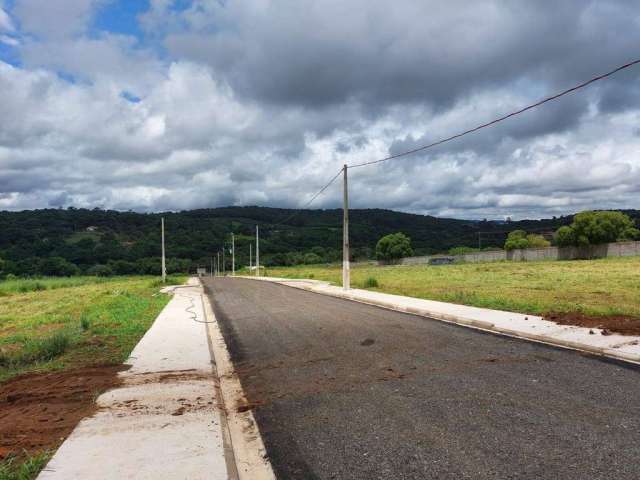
393 247
593 228
537 241
516 240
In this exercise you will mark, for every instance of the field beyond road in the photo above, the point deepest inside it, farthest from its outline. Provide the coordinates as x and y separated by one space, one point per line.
62 342
597 288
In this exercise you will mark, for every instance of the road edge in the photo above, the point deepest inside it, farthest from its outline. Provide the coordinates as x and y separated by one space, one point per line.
607 353
244 437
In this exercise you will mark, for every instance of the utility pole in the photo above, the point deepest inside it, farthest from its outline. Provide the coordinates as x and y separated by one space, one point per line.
345 234
257 251
218 264
233 255
211 269
164 264
224 263
250 259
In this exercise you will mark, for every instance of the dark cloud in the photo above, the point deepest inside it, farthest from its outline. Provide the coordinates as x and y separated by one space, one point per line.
258 102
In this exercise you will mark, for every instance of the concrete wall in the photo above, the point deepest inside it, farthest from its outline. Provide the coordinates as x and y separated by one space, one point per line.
619 249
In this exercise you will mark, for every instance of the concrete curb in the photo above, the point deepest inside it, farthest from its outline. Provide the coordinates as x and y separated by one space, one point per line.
243 435
356 296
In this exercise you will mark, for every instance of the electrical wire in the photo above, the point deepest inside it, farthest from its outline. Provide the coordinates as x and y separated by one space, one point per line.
318 193
499 119
461 134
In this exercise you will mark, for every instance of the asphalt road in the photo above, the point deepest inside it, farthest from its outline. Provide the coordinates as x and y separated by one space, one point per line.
346 390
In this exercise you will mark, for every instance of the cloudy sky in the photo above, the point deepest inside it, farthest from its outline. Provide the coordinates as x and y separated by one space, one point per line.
177 104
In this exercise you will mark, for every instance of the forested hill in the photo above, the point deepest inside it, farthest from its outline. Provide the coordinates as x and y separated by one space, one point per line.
97 237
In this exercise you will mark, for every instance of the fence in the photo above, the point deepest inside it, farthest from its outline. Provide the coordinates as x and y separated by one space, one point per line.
618 249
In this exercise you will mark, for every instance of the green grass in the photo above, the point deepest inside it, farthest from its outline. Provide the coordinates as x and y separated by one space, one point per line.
18 468
595 287
55 323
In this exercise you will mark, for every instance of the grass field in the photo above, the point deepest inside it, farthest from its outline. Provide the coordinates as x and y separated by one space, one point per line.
55 324
593 287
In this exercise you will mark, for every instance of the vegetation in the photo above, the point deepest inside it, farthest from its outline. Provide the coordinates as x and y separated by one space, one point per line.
593 228
14 468
594 287
52 324
393 247
103 243
520 239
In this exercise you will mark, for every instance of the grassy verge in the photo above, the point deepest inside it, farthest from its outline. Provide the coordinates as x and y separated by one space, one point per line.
593 287
17 468
73 322
54 324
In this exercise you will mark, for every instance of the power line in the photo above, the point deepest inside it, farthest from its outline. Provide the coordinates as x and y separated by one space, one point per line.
320 192
462 134
499 119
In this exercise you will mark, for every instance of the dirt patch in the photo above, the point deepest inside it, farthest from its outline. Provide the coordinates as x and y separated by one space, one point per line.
39 410
611 323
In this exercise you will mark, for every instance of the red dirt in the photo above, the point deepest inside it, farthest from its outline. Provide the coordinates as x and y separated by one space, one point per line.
611 323
39 410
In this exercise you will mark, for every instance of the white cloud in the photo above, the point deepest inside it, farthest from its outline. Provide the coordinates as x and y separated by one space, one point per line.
245 111
6 24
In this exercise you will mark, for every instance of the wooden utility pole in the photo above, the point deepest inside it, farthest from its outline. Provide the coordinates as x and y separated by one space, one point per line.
164 264
346 280
250 259
233 255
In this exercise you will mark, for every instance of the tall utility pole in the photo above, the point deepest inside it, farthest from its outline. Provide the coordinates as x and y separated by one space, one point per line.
233 255
257 251
346 280
218 264
250 259
224 263
164 263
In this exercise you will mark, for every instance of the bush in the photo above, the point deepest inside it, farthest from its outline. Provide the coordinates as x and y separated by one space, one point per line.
371 282
393 247
593 228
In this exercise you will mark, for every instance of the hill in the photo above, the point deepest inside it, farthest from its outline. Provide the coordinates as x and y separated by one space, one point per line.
35 241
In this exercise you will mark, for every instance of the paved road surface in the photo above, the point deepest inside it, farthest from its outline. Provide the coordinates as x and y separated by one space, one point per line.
351 391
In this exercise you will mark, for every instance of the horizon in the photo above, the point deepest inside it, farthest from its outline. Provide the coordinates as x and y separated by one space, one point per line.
488 219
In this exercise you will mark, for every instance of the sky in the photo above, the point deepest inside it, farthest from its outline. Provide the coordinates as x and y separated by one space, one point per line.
153 105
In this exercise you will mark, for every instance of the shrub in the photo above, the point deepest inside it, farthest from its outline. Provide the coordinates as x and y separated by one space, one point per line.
371 282
393 247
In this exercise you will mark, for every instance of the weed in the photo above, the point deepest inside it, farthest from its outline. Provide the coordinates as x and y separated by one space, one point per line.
23 468
371 282
85 324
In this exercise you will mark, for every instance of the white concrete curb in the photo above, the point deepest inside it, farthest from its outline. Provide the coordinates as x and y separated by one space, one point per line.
528 327
248 449
164 421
